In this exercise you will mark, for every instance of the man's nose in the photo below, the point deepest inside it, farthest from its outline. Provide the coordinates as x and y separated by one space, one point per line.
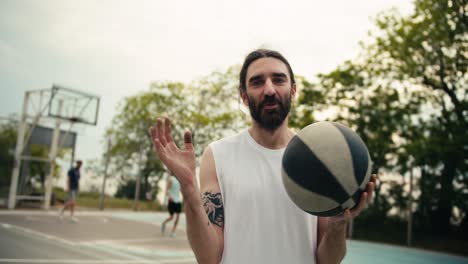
269 88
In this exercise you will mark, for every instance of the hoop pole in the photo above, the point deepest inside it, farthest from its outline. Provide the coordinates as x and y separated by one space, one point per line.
52 156
103 188
138 180
409 229
18 152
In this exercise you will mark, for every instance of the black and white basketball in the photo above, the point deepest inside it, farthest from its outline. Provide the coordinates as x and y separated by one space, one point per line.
326 167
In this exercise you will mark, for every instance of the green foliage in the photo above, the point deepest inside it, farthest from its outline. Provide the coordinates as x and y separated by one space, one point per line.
120 203
406 96
91 200
8 142
207 107
427 50
132 151
127 190
35 171
214 108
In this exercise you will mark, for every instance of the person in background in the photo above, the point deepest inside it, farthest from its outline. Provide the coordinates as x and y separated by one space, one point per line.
73 186
174 206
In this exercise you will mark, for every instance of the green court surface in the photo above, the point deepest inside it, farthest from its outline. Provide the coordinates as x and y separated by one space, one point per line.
359 252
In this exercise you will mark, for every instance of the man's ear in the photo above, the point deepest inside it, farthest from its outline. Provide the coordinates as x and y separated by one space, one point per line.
293 90
243 95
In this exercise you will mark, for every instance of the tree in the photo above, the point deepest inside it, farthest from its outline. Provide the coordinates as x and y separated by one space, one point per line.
132 151
7 141
127 190
428 50
406 96
206 107
215 109
35 171
362 101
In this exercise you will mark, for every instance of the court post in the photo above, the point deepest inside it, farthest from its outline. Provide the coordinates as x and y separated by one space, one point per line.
409 233
103 188
137 181
52 156
18 154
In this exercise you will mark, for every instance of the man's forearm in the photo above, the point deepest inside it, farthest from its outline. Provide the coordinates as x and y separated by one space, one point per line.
203 237
332 248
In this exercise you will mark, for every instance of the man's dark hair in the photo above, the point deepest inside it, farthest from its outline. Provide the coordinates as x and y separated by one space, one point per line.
258 54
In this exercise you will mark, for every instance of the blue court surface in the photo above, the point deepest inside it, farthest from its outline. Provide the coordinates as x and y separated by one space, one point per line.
360 252
129 237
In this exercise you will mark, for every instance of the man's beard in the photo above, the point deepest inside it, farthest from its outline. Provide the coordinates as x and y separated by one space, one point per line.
270 119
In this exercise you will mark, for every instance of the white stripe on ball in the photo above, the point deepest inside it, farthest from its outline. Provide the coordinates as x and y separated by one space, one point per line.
329 149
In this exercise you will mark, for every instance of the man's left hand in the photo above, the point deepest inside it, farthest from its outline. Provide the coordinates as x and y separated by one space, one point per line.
348 214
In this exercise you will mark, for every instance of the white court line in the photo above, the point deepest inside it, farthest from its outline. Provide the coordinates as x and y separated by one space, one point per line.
38 234
55 212
120 240
69 243
155 239
28 212
80 212
179 260
70 261
109 261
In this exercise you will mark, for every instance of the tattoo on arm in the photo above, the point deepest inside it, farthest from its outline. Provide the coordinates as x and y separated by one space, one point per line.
214 209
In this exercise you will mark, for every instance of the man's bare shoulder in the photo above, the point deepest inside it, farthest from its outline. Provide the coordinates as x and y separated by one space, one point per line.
208 177
230 139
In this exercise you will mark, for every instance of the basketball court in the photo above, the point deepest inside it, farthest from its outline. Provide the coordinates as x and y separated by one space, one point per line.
117 237
40 236
129 237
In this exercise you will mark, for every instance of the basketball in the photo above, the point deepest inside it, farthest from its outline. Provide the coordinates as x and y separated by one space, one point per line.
325 168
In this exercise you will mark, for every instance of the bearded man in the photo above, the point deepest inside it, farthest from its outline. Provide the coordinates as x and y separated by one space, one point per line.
241 212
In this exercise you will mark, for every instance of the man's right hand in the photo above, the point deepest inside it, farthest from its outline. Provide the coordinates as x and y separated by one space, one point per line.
182 163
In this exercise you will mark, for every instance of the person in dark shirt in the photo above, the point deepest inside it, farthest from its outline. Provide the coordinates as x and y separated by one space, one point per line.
73 186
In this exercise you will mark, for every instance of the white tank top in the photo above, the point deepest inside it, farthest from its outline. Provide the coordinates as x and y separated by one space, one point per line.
261 223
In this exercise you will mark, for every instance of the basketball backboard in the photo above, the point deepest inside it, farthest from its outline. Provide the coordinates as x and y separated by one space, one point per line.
60 103
73 105
43 136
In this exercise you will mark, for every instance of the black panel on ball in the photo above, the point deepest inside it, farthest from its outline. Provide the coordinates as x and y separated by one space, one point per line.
356 196
335 211
358 152
305 169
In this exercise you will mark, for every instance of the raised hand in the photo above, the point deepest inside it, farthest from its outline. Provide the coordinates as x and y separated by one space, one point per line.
182 163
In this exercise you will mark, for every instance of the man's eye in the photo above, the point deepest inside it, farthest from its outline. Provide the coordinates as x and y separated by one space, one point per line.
256 82
279 80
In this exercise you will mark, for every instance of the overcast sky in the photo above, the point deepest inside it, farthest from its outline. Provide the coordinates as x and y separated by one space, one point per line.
116 48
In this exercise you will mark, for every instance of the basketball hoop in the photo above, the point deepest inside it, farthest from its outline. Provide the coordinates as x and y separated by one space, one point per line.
59 103
73 105
75 119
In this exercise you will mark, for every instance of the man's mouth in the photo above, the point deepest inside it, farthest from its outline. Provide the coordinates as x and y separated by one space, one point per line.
270 106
